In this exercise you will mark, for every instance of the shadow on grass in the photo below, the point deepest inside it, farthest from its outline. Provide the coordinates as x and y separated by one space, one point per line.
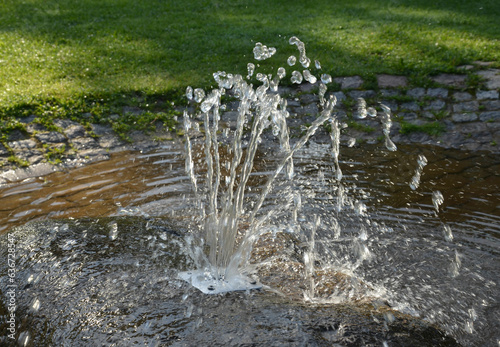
108 46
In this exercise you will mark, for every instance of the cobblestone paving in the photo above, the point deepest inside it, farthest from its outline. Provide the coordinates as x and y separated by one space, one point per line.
464 118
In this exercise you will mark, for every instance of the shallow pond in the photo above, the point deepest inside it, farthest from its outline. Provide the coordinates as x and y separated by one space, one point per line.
440 265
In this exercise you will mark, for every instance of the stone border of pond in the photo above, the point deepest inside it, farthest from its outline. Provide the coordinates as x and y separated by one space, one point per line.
451 114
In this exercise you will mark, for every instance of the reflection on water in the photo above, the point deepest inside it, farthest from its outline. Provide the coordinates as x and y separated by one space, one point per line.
96 190
468 181
442 266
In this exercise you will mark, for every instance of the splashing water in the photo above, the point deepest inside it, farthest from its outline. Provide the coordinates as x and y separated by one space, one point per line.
250 68
309 77
262 52
437 199
232 219
387 123
303 59
415 181
221 201
296 77
362 113
326 78
222 206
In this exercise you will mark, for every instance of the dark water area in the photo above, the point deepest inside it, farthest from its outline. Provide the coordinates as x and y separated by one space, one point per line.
469 182
440 266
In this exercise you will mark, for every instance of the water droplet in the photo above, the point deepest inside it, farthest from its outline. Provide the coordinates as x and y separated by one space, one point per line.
251 69
455 265
448 235
362 113
390 145
309 77
437 199
199 94
113 233
469 327
189 93
305 61
261 77
291 60
296 77
372 112
389 317
262 52
322 91
351 142
317 64
422 160
325 78
35 305
281 72
386 128
23 339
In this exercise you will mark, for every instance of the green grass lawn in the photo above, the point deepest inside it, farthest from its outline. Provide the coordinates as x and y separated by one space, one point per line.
71 51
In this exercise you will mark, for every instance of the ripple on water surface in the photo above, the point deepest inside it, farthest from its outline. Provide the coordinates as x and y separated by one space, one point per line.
428 263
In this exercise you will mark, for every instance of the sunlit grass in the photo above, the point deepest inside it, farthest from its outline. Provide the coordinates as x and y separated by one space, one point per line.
71 49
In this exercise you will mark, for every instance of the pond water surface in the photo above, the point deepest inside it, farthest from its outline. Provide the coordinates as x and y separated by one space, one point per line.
441 266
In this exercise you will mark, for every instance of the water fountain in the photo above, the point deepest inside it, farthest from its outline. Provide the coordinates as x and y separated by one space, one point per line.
360 244
221 205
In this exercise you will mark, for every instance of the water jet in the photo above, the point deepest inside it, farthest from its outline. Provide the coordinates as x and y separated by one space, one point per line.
221 203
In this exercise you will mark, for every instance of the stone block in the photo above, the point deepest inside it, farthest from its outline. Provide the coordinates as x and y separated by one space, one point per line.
410 106
31 128
492 77
487 95
391 81
416 93
353 82
3 150
493 126
436 105
130 110
464 117
26 120
469 106
491 105
437 92
22 144
389 92
51 137
110 141
16 135
451 80
462 96
311 109
429 115
101 129
408 116
65 123
81 143
75 131
365 94
490 116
